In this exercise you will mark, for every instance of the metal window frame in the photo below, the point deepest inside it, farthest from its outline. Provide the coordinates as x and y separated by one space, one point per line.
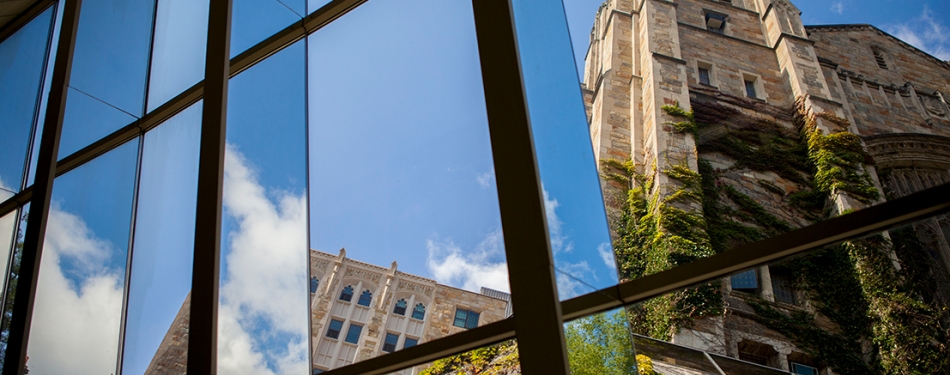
541 343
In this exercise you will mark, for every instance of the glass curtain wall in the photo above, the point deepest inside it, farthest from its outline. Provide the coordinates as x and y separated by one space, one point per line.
361 222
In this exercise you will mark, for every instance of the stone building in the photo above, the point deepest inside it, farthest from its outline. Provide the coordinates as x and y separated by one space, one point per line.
753 78
360 311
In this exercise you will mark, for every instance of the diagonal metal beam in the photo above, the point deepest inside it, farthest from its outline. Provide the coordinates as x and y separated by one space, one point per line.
41 193
432 350
534 295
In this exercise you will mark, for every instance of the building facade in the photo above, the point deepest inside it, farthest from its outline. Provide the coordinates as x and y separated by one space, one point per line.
743 95
360 310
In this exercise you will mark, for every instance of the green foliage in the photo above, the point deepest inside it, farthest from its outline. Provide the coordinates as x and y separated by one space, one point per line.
600 345
658 234
838 157
497 359
688 126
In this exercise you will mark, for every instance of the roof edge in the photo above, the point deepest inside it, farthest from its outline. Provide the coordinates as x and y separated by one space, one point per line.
945 64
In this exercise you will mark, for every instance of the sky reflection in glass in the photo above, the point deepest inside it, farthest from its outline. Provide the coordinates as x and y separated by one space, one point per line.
78 308
164 235
178 52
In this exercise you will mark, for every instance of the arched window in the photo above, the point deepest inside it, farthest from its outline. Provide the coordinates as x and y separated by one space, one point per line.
400 308
419 312
365 298
347 294
314 284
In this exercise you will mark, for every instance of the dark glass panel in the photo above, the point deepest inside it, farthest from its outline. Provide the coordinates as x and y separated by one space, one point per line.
44 97
22 63
162 256
110 66
79 295
178 51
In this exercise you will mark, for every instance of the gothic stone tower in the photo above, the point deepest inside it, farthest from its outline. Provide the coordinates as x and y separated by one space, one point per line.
750 68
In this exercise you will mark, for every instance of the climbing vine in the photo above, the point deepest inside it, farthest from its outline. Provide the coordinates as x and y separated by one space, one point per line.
883 324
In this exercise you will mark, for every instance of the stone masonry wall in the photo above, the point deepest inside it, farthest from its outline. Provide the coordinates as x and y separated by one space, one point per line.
447 299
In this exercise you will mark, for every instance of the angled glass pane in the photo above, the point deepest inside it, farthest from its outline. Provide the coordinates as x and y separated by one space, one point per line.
110 67
601 344
7 234
403 198
22 64
252 21
313 5
79 295
262 316
12 275
44 97
162 255
573 202
873 304
178 51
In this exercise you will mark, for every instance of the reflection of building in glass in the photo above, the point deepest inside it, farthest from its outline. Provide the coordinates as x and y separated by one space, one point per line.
741 124
360 311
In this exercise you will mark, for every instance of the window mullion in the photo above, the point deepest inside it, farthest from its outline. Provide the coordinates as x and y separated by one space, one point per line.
534 297
203 330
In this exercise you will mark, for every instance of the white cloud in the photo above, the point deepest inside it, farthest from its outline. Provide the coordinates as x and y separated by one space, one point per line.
837 7
266 274
5 191
75 327
607 255
559 241
485 179
483 266
569 282
926 32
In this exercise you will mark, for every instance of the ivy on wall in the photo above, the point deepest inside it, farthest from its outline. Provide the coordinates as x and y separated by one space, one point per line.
880 324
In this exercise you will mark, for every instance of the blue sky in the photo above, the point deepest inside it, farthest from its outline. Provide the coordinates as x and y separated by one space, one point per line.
399 167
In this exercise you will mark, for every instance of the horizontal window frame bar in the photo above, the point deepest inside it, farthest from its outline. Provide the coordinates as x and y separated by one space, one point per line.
433 350
868 221
247 59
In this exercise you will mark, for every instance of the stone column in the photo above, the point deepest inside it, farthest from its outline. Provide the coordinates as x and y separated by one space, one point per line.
765 284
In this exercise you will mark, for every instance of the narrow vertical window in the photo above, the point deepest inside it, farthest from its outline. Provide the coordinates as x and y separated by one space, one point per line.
419 312
333 331
704 76
347 294
400 308
782 290
879 57
365 298
353 333
750 89
410 342
314 284
389 345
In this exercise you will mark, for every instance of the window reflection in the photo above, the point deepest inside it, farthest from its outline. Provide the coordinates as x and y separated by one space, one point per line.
178 51
22 67
160 277
79 294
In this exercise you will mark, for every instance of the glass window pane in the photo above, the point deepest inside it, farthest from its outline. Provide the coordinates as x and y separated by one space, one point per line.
81 286
256 20
353 333
22 64
601 344
263 316
573 202
162 256
7 235
178 51
110 66
44 97
402 194
840 304
11 277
